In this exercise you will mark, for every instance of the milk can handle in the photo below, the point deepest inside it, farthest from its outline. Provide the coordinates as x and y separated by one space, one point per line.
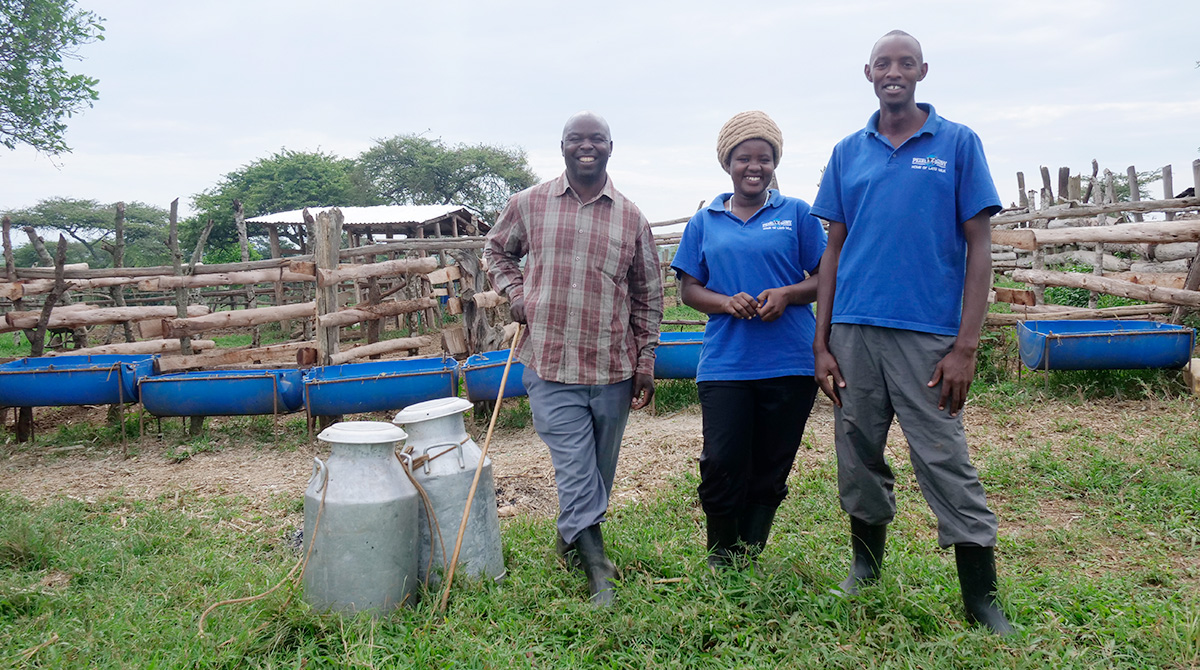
455 445
406 460
319 469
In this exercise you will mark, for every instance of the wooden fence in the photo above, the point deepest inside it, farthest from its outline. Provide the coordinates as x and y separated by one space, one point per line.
1127 255
319 292
414 282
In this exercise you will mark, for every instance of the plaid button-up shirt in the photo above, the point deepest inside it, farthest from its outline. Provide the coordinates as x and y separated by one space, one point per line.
591 282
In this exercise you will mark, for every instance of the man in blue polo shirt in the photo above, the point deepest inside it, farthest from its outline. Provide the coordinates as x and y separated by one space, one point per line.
900 304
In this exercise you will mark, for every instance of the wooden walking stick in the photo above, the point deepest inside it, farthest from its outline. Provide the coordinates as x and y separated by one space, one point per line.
487 441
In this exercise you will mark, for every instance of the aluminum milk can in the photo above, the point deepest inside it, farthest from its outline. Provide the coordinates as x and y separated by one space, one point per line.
360 516
435 429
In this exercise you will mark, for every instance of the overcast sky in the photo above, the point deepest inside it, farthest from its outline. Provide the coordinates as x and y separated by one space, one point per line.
191 91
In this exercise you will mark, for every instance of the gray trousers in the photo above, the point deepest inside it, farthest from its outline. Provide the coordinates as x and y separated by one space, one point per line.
582 425
887 371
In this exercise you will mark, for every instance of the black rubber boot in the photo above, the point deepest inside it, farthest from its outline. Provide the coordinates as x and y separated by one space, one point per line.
567 554
722 541
867 541
599 570
977 577
754 527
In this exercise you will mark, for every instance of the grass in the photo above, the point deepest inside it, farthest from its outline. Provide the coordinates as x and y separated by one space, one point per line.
672 395
14 345
270 333
286 434
514 414
681 312
1096 557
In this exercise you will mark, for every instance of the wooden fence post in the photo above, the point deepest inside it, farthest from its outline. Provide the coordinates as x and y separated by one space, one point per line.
239 218
1135 192
1110 186
1047 192
118 253
277 252
1192 282
24 418
326 243
1098 263
181 298
1091 189
306 236
1039 255
1168 188
374 326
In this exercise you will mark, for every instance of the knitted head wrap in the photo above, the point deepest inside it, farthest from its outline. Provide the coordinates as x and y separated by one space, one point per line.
754 125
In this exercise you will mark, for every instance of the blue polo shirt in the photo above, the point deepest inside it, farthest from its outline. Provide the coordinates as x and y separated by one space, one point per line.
904 260
775 248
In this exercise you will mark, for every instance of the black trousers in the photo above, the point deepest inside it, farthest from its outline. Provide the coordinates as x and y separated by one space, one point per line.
752 430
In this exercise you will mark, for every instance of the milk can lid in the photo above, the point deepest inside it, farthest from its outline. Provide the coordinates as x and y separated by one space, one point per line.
432 409
362 432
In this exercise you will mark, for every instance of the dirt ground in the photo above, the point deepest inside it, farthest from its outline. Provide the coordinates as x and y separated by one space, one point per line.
655 450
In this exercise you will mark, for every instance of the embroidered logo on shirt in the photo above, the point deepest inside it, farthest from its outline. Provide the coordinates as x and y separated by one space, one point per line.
931 162
777 224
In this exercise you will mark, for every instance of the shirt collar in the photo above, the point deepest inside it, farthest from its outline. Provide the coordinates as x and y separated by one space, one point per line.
775 199
562 186
931 126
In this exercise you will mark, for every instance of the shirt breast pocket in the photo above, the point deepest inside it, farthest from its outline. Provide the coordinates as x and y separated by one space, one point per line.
933 178
615 254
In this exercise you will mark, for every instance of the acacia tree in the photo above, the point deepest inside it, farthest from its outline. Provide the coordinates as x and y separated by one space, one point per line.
283 181
416 170
91 224
37 93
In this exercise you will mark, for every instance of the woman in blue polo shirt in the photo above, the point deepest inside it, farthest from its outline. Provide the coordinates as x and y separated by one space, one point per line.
749 260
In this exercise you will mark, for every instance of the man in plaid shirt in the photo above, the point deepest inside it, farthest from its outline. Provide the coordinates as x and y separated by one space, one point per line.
591 295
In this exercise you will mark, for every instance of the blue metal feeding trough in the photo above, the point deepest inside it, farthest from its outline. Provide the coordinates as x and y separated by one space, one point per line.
378 386
482 374
223 393
73 380
1103 345
677 355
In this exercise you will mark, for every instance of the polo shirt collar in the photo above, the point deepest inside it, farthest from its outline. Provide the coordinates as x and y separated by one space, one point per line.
775 199
931 126
562 186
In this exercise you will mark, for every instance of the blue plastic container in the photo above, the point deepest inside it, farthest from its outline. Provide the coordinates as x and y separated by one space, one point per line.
677 355
1103 345
482 373
223 393
73 380
378 385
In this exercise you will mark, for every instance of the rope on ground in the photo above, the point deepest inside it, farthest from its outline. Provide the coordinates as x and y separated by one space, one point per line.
291 576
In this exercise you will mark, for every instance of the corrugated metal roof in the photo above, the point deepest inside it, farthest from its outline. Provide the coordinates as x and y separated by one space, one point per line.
382 214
